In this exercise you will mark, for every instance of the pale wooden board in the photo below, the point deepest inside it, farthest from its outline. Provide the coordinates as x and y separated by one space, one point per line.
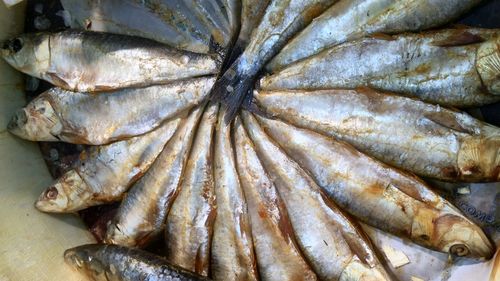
31 243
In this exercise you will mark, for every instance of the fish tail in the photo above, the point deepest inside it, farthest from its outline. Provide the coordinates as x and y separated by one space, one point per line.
232 88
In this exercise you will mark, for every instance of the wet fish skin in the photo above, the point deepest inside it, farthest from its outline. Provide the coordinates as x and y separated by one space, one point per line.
130 17
103 173
142 213
335 247
189 225
87 61
281 20
425 139
112 262
379 195
352 19
453 67
232 255
278 256
84 118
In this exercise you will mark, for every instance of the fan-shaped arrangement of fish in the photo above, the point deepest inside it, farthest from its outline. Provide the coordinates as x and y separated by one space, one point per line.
252 137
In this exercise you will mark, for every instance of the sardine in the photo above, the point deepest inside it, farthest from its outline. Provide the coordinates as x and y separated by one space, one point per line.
104 173
189 224
148 19
335 247
111 262
142 213
351 19
251 14
211 14
232 256
89 61
426 139
233 13
379 195
280 22
84 118
278 256
453 67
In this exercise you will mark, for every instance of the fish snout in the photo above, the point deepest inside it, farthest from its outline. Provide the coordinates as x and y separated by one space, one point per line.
51 200
18 120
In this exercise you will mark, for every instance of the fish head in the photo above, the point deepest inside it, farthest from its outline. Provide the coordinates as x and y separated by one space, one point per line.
67 194
459 236
86 259
488 65
28 53
36 122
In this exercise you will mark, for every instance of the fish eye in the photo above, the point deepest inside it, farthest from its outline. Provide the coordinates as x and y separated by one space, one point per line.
16 45
51 193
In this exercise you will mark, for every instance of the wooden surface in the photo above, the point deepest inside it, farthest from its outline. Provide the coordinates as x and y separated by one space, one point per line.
31 243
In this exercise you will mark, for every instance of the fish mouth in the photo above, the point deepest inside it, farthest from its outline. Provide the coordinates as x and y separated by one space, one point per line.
72 258
18 121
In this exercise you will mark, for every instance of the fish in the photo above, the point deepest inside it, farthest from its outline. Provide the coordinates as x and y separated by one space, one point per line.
112 262
85 118
426 139
352 19
189 224
333 244
147 19
211 14
281 20
103 174
142 213
380 195
277 253
251 13
232 253
85 61
451 67
232 10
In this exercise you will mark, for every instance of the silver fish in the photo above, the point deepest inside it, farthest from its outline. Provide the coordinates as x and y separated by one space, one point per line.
104 173
423 138
142 213
280 22
352 19
211 14
233 13
454 67
335 247
84 118
379 195
232 256
278 256
88 61
189 225
111 262
148 19
251 14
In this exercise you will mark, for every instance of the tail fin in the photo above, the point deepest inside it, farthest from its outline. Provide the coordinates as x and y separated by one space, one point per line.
232 88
